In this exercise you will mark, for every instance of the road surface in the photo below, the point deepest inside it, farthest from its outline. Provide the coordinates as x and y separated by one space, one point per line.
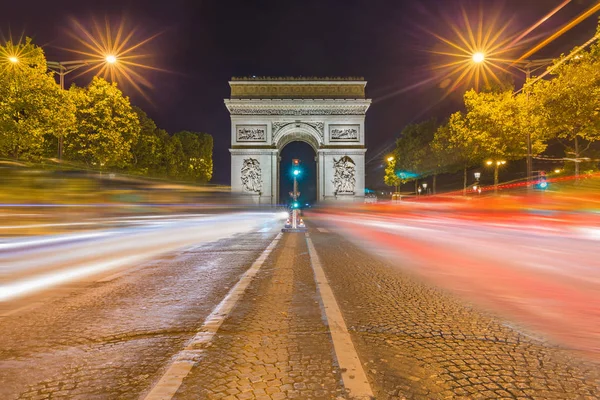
247 312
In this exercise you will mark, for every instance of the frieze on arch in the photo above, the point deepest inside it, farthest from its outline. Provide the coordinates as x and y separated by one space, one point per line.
339 110
319 126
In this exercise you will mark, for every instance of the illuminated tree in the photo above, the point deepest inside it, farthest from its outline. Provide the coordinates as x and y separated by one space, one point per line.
457 147
391 178
197 148
570 103
32 106
107 126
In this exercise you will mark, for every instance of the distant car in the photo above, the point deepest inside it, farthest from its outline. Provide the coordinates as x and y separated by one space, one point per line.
370 198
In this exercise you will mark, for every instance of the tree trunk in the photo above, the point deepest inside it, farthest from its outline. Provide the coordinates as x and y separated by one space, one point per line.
416 186
496 178
576 158
465 181
433 184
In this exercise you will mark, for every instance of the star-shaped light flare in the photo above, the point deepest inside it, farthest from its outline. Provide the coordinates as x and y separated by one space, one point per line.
475 52
114 53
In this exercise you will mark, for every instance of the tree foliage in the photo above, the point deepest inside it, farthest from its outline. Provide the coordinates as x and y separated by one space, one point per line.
32 106
391 177
99 126
413 151
107 126
569 103
197 150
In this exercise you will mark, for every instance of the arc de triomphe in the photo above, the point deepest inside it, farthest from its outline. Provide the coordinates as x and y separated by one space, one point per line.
269 113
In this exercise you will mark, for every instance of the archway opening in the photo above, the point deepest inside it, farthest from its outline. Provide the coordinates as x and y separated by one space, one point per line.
307 181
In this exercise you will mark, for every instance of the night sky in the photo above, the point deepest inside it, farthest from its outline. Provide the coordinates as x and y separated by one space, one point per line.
204 43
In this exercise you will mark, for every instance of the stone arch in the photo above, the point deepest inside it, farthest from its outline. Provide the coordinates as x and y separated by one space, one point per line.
298 131
269 113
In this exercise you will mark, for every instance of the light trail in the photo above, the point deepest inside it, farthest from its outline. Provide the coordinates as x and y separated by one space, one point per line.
17 244
47 266
541 272
561 31
540 22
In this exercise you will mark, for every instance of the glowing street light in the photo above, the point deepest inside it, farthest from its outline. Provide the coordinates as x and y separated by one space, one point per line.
111 59
13 59
496 164
478 57
390 158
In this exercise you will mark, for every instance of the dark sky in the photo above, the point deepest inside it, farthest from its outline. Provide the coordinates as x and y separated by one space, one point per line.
205 43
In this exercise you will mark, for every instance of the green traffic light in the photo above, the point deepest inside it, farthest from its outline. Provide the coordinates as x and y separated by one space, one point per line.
296 172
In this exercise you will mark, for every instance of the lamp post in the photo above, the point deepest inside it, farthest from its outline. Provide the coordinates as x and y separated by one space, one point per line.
425 188
527 67
496 164
62 68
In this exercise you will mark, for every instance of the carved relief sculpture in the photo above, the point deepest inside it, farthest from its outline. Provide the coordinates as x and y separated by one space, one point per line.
343 132
251 176
251 133
344 179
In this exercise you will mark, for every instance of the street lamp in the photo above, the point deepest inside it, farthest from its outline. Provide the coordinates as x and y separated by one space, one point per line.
496 164
13 59
390 158
425 188
478 57
529 66
62 68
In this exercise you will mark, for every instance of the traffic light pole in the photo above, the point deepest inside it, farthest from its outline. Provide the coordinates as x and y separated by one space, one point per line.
295 210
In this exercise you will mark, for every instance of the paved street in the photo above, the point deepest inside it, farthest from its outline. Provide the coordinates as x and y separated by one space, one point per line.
244 317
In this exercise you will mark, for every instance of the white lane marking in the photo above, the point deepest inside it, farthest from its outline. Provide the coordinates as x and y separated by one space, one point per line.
185 360
264 230
322 230
353 375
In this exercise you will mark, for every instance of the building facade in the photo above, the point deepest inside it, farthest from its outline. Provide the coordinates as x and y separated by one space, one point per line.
269 113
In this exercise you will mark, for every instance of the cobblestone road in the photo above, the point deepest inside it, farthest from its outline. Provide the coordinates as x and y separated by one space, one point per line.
110 340
275 344
115 339
418 342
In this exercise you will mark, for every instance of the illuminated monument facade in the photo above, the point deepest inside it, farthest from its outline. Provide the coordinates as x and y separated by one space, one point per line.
269 113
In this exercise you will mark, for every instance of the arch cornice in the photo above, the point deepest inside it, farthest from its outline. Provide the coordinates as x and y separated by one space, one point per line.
298 131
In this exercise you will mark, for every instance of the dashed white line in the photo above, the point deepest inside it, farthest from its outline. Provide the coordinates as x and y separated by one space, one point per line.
353 375
323 230
183 362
